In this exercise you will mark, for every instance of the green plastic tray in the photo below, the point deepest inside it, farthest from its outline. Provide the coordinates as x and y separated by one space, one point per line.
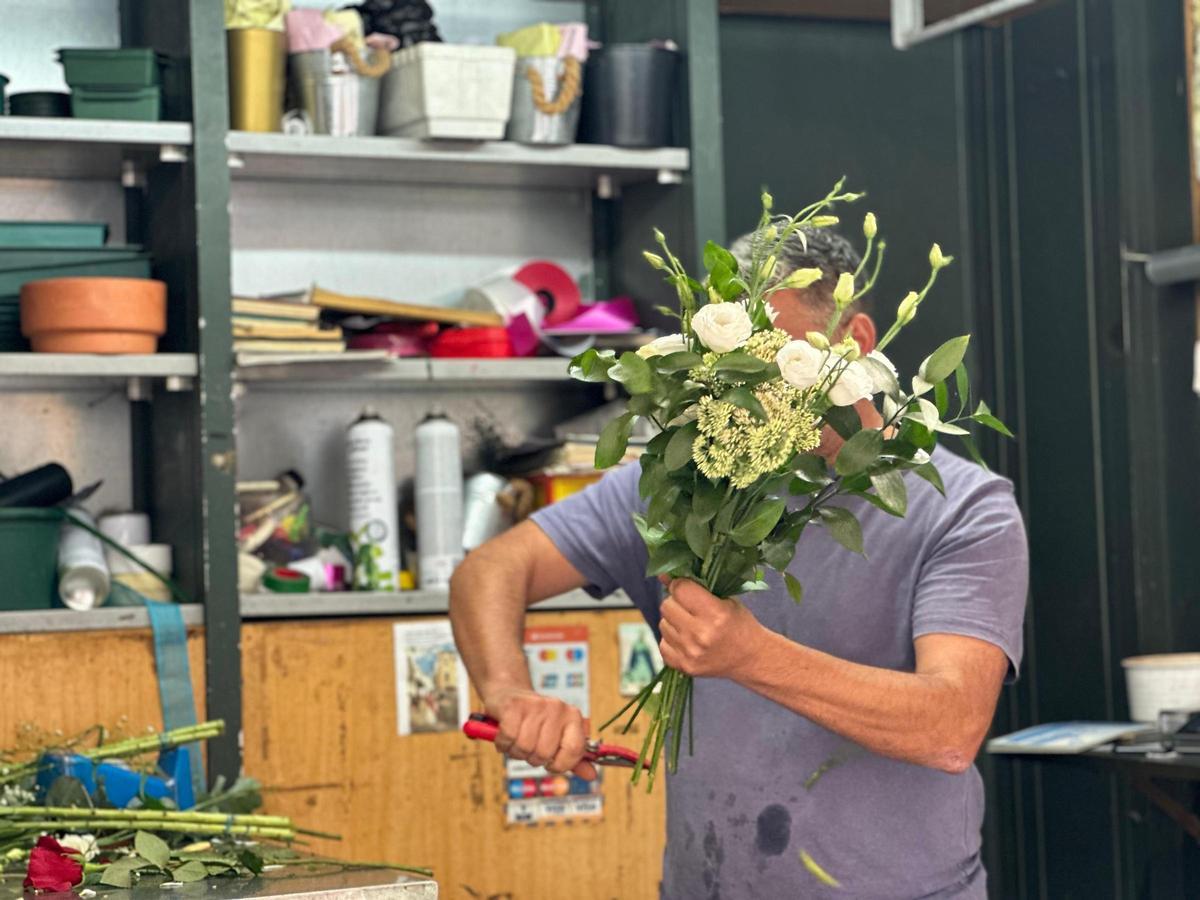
97 67
19 265
69 235
139 104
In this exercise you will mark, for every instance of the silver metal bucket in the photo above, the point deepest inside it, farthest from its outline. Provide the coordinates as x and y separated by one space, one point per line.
529 124
335 98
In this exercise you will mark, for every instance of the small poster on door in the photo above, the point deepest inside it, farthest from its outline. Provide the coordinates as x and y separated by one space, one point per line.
431 681
639 657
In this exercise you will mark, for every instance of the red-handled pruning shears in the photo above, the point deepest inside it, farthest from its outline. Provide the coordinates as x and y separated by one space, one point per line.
481 727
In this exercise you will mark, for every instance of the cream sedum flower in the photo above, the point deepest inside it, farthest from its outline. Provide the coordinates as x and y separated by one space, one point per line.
722 327
668 343
854 383
801 364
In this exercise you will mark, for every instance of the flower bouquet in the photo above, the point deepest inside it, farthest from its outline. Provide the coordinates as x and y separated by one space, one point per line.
739 406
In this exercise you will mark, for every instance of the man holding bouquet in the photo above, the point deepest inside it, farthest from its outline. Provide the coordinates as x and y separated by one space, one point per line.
835 737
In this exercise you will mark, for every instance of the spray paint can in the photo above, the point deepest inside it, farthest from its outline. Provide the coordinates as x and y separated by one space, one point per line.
439 501
83 576
483 516
374 515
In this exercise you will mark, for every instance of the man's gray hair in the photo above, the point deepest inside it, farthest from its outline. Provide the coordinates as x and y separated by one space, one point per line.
827 250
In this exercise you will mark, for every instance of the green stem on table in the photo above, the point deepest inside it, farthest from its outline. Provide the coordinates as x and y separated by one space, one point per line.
326 860
143 815
279 834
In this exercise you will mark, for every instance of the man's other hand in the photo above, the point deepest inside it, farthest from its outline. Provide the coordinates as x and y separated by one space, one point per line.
541 730
703 635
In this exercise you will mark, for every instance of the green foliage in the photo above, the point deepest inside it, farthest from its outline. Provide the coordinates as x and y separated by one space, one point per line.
930 473
739 363
794 588
844 527
592 365
633 372
614 438
680 361
152 848
759 522
679 447
743 397
672 558
942 362
860 452
844 420
890 489
706 501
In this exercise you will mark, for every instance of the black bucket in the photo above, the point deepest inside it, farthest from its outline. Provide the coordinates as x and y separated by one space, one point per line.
53 104
628 95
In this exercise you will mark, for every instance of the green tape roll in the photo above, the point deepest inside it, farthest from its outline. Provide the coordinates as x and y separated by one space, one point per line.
285 581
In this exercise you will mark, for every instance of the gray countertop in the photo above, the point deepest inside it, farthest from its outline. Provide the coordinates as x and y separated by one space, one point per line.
342 884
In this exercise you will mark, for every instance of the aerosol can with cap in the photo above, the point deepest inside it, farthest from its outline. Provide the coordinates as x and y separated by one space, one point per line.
439 500
374 514
83 576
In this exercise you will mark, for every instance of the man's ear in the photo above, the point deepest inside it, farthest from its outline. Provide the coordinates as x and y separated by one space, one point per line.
861 327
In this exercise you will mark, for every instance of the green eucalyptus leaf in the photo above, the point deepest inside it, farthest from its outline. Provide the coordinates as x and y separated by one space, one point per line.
120 873
794 587
152 848
950 428
812 468
843 526
657 445
962 384
662 502
738 361
190 871
942 362
724 519
930 473
672 558
941 398
779 552
614 438
973 451
759 522
679 448
891 490
844 420
652 535
643 405
860 452
984 416
680 361
743 397
697 535
715 253
653 478
251 860
633 372
592 365
707 499
916 434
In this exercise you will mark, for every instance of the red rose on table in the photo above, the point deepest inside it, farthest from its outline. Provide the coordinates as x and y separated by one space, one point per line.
52 867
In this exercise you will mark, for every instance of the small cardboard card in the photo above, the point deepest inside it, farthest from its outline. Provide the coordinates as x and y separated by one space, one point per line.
1064 737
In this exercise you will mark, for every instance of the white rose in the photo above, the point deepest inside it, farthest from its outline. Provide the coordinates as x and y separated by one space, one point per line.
722 326
668 343
801 364
880 383
853 383
83 844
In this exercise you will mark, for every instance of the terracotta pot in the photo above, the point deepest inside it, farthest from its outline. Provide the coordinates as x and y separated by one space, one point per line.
94 315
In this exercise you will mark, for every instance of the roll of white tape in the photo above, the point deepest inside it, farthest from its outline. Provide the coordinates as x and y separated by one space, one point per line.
157 556
501 294
126 528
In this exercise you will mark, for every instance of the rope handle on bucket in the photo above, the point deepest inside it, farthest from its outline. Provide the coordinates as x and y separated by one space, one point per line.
568 90
376 65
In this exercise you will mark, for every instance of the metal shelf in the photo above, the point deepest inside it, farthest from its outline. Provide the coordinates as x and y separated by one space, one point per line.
80 370
294 606
104 618
32 147
383 159
403 373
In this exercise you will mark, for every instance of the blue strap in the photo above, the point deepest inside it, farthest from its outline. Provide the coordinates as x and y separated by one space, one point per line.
174 676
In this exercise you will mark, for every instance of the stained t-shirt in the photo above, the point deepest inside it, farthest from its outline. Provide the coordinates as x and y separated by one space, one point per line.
744 806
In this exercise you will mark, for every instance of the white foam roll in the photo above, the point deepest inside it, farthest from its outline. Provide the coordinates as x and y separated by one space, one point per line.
126 528
157 556
501 294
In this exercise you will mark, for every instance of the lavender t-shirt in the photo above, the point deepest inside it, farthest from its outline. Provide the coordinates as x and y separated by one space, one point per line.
766 784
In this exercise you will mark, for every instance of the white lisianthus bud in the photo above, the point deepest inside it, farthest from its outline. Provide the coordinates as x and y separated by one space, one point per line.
668 343
854 383
767 200
771 233
847 348
817 339
713 296
654 259
908 308
801 364
722 327
659 236
844 292
869 225
769 266
937 260
801 278
823 221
